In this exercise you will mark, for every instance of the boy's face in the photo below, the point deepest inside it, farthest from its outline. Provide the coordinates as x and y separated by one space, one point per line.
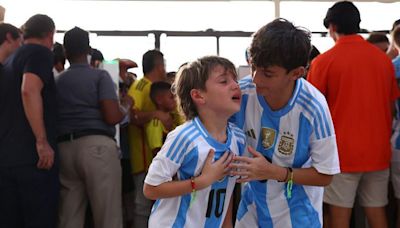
222 93
15 43
274 80
383 46
11 43
166 101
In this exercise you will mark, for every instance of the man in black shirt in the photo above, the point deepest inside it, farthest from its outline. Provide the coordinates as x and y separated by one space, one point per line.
29 183
10 40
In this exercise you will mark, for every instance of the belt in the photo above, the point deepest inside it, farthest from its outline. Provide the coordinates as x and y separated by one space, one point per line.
79 134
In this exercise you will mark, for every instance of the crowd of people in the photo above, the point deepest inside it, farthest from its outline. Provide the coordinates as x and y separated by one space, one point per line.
298 140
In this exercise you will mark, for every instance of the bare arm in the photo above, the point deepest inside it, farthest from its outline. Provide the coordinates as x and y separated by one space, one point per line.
174 188
211 172
139 118
258 168
113 112
31 89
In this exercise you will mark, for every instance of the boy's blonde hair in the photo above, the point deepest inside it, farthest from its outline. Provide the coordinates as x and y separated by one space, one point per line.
194 76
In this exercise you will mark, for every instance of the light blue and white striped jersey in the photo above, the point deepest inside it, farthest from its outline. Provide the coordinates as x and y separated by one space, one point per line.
396 63
395 139
300 135
183 155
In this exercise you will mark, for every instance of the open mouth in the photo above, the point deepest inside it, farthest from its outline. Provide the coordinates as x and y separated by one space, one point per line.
236 98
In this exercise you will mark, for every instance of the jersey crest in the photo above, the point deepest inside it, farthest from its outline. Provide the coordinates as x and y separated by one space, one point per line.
268 137
286 144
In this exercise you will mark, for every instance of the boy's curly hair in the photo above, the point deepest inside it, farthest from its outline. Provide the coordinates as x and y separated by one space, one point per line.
280 43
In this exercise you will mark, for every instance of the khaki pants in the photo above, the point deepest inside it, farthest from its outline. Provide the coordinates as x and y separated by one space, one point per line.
371 188
90 171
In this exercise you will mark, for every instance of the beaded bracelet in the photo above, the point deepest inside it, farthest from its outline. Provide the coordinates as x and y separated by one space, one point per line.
286 176
193 193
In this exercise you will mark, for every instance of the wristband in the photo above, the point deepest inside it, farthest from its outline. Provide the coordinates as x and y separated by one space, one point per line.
286 176
193 193
193 184
289 185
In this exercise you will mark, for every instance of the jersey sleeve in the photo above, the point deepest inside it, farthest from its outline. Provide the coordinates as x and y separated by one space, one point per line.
165 165
323 147
324 155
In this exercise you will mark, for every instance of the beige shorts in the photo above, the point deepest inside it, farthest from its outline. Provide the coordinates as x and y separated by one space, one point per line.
395 177
370 187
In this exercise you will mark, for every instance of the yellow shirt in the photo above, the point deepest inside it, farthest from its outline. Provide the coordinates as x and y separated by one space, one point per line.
140 153
155 134
178 118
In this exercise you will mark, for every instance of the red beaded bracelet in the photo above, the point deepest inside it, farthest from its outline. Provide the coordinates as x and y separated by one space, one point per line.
193 194
193 184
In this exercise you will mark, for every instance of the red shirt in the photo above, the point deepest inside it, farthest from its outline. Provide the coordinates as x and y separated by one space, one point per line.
358 81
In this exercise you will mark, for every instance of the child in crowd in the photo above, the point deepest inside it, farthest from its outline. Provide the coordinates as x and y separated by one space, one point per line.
189 176
380 40
162 97
288 123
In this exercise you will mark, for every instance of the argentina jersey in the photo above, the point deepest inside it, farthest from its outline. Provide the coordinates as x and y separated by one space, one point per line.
395 139
300 135
183 156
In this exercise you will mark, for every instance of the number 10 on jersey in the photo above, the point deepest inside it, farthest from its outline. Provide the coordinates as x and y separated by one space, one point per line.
216 202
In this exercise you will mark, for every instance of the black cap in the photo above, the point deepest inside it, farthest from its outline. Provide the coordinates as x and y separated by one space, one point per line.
345 15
